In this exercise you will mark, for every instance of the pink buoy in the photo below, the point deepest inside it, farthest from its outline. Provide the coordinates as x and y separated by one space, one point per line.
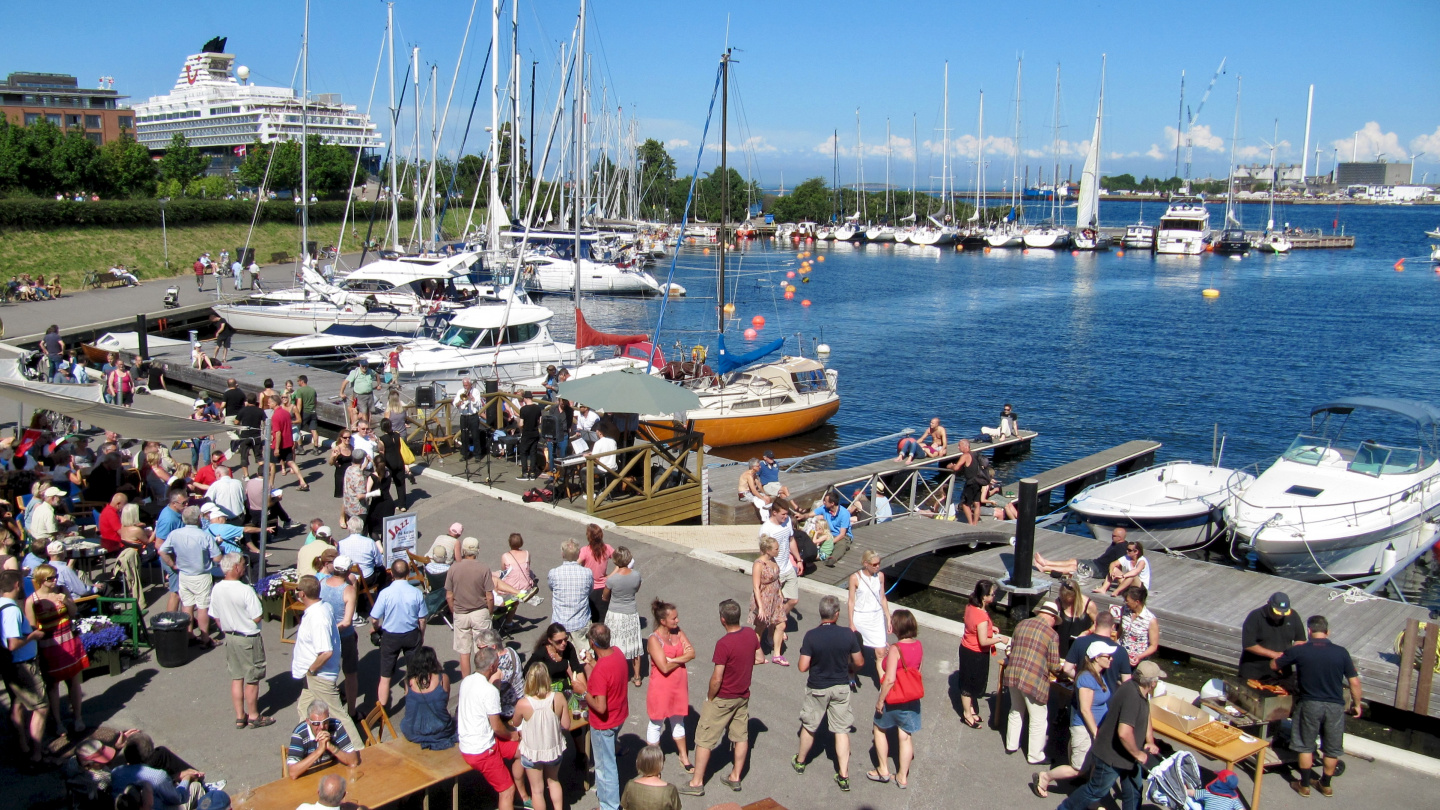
789 295
790 274
750 334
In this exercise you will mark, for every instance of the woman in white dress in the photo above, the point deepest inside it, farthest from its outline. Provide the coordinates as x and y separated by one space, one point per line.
870 609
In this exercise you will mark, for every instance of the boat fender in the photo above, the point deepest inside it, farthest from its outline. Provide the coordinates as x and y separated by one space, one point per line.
698 354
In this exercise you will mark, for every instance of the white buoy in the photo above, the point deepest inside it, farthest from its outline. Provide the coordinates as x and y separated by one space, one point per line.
823 350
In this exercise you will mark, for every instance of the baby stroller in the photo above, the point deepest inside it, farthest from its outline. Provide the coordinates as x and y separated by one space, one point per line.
1168 782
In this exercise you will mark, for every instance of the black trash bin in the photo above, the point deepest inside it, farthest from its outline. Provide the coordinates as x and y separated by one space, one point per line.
170 636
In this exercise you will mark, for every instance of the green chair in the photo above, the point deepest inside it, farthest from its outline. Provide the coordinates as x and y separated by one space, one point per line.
124 611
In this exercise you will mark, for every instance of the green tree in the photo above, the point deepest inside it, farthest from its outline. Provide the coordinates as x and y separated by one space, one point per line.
34 169
657 176
75 164
127 167
811 200
182 162
10 155
1120 182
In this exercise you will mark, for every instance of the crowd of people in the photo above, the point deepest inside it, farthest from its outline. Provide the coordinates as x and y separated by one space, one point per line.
26 288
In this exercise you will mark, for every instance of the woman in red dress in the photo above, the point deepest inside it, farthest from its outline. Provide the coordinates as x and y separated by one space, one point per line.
62 656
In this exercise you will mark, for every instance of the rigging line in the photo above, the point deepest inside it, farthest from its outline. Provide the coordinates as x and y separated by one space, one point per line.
395 196
685 215
355 170
455 167
449 96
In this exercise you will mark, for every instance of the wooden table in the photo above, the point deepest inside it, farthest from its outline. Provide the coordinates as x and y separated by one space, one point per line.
1231 753
386 773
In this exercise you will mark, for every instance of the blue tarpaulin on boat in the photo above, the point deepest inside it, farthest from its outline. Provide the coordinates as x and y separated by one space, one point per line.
724 362
359 331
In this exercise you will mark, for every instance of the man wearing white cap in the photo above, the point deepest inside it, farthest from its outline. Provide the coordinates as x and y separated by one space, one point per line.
43 523
307 560
1092 697
64 574
228 536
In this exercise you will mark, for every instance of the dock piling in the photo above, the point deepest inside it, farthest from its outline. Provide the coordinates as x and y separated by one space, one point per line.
141 335
1024 595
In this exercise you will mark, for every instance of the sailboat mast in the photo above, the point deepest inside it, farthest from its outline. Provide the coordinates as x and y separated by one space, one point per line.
419 232
515 106
1274 139
576 198
1016 204
724 174
945 151
304 141
835 168
914 161
980 164
1055 154
1234 136
434 149
887 171
394 232
1179 123
859 172
492 229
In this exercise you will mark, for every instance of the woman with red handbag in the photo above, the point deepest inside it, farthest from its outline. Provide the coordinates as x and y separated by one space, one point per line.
898 706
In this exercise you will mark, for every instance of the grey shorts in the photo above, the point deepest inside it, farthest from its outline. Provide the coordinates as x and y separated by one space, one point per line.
27 686
1312 718
245 657
833 703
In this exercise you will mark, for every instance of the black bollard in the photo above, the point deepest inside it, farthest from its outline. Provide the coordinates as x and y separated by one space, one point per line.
143 342
1026 504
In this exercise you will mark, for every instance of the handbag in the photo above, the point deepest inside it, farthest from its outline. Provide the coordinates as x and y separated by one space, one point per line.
909 685
406 454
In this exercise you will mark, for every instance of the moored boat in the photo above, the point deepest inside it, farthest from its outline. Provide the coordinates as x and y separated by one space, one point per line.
1176 506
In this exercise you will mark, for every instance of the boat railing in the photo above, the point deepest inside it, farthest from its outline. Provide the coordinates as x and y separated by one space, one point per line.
1142 471
1349 512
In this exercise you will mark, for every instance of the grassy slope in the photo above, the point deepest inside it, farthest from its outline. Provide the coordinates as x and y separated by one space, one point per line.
73 252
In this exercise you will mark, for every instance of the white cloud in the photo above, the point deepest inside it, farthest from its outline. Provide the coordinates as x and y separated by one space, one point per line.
755 143
1429 144
1370 142
1200 136
1262 152
1154 152
1123 155
676 143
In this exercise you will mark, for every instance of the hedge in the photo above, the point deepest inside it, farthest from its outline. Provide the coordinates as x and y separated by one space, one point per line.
39 215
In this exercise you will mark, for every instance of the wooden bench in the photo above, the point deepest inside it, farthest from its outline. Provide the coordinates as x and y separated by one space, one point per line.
279 257
96 279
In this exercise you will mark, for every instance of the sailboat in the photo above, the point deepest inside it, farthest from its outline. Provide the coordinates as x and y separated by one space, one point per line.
1270 241
884 232
1008 233
1232 240
940 233
1087 210
1050 234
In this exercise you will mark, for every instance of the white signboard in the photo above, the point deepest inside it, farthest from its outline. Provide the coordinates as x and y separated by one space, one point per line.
402 532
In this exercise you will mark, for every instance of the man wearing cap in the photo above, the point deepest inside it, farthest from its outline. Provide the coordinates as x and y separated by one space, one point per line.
770 476
1034 655
24 680
236 609
399 614
1124 743
1268 632
450 540
361 386
43 523
192 552
229 537
88 772
471 600
64 574
1322 670
309 558
228 492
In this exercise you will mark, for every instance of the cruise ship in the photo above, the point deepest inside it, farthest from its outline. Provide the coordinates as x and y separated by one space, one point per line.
213 105
1185 227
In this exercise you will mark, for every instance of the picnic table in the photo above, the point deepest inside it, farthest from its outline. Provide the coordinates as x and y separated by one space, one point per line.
1231 753
387 773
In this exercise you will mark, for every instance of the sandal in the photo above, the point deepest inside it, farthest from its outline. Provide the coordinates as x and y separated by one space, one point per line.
876 776
262 721
1038 787
688 766
974 722
241 723
778 659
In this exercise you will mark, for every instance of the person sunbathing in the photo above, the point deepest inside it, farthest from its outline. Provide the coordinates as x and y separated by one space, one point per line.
931 443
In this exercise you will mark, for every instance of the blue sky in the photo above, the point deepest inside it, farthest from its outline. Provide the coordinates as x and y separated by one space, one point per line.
803 69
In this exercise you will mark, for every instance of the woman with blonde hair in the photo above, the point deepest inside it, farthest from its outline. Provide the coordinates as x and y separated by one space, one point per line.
870 609
543 718
1077 614
62 656
767 604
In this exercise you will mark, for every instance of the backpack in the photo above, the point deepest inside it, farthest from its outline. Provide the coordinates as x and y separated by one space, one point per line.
538 495
808 552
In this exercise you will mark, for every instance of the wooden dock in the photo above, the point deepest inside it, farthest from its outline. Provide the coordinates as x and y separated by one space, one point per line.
1201 606
1298 241
1076 475
726 509
251 369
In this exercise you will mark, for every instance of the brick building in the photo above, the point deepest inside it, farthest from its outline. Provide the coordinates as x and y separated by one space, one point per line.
29 97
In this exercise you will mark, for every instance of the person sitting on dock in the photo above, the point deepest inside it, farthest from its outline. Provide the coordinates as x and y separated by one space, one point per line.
932 443
1009 425
770 476
750 489
833 526
1129 570
1091 568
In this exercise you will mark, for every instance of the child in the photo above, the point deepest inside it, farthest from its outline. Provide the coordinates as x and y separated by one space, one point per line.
1221 794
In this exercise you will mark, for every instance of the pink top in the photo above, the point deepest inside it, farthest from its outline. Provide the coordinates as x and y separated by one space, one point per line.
597 567
668 695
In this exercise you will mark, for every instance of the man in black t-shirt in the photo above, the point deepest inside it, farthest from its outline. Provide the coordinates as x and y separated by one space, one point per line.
234 398
1097 567
1267 633
251 419
1119 670
1125 742
1322 670
830 655
529 437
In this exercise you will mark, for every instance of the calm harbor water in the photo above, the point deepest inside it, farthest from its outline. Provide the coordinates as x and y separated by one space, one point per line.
1091 349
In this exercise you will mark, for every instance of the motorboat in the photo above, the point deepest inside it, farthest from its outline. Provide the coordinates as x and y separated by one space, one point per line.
1435 234
1184 228
125 343
1232 242
1046 236
1176 506
1330 508
551 274
341 344
1139 237
490 341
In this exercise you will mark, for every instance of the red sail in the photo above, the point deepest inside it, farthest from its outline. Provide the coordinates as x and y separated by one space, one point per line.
586 336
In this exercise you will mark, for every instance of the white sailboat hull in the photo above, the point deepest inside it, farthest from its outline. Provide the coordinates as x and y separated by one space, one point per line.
309 318
1004 240
1046 238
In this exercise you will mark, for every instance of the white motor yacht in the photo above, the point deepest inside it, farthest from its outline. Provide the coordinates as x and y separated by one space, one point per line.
340 344
1139 237
489 341
551 274
1330 508
1175 506
1185 227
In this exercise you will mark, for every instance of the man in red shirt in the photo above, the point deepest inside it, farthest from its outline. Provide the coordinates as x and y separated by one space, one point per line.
199 275
282 446
110 524
608 677
727 702
205 476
